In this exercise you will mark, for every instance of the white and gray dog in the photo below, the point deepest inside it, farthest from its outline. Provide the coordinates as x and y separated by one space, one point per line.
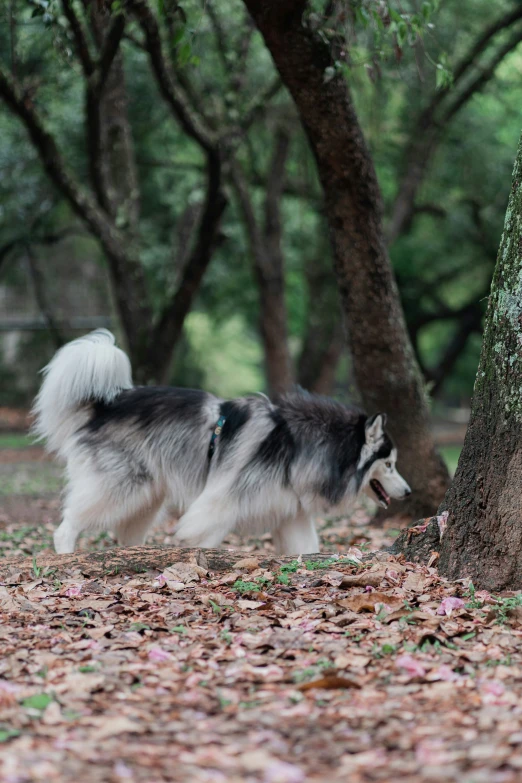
139 455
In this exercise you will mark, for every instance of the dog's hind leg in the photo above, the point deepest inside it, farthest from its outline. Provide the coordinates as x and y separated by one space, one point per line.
80 513
296 536
133 530
95 501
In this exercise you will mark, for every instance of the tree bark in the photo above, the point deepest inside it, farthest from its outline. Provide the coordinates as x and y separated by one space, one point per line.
483 539
119 186
386 372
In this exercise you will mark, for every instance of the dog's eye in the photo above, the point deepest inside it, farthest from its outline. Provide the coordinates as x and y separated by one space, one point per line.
388 464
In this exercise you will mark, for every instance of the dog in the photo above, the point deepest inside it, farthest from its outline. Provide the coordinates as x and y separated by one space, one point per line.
137 456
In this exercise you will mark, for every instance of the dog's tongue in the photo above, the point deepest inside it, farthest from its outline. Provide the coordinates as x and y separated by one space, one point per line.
380 491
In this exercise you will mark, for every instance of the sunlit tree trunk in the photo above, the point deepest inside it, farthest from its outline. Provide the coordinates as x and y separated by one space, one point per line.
483 539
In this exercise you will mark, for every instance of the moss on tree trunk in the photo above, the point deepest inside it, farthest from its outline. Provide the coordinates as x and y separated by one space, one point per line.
484 535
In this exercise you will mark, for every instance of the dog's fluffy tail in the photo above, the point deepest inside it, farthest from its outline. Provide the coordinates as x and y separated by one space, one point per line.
85 370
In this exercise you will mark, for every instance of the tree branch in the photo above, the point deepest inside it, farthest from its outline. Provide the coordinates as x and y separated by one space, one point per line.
125 269
274 191
469 322
170 325
258 104
96 82
172 92
267 256
430 127
6 249
109 51
240 72
220 36
41 297
481 43
482 79
80 40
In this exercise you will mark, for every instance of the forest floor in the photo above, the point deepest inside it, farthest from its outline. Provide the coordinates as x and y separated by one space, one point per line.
360 668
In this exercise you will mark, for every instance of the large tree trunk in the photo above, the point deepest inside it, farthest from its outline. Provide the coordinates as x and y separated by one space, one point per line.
483 538
385 368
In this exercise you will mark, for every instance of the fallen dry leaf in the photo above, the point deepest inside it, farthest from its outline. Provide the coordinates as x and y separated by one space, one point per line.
212 684
369 601
330 682
247 564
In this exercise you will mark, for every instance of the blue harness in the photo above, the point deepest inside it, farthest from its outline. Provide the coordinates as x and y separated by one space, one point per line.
217 431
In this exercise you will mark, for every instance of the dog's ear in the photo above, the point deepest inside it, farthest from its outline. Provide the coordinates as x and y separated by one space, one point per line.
374 428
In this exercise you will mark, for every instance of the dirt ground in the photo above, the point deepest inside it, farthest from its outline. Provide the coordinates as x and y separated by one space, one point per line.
365 669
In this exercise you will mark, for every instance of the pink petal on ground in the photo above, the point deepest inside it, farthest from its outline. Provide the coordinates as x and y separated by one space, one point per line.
449 604
283 772
158 655
494 687
445 673
9 687
410 665
72 592
122 771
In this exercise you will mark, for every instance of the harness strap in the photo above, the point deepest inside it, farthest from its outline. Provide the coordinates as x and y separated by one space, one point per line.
215 433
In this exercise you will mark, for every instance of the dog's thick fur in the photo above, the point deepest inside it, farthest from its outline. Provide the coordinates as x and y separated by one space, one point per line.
137 455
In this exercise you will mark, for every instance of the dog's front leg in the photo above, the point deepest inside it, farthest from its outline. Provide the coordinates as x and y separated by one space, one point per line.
296 536
208 521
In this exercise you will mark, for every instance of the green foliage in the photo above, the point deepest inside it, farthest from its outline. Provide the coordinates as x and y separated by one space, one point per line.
316 565
395 57
505 605
7 734
39 701
245 587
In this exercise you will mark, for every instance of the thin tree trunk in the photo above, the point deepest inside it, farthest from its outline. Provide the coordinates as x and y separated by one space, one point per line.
386 372
268 261
483 539
324 337
326 368
40 294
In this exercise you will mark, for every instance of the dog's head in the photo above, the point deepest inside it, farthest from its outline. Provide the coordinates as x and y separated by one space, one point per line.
381 481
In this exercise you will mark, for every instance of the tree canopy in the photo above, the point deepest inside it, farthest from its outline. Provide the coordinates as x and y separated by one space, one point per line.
426 89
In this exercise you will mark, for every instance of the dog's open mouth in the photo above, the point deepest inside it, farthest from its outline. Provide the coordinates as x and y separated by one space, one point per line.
379 492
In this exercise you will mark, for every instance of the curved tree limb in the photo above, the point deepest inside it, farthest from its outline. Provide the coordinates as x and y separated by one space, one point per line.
96 115
124 268
484 76
170 324
80 39
268 262
41 297
433 120
171 90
